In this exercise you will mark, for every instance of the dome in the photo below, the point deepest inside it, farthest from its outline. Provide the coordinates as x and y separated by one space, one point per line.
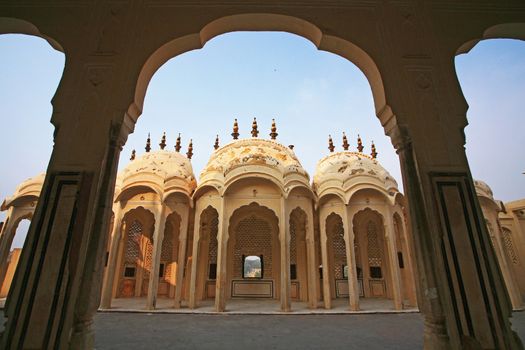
162 169
346 169
483 190
29 188
254 156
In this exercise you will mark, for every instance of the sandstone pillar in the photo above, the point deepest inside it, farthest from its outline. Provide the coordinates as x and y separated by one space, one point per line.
192 298
327 297
311 261
284 240
392 259
222 254
158 237
7 235
181 258
353 287
109 278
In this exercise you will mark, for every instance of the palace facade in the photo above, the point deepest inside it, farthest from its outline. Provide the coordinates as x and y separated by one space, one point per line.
255 226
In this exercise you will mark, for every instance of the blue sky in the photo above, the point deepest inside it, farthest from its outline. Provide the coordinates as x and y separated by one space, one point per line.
243 75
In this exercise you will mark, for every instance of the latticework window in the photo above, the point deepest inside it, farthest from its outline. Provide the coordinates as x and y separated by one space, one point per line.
375 250
509 245
253 237
212 249
338 248
133 243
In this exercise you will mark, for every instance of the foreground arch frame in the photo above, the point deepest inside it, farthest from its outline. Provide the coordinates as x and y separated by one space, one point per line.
419 103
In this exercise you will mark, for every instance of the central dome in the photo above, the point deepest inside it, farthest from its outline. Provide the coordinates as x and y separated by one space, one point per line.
253 156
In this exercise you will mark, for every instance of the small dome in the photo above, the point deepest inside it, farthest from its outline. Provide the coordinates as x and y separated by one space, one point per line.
159 167
344 167
29 188
483 190
253 155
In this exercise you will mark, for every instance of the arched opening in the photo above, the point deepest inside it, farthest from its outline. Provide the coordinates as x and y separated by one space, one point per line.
135 256
253 233
371 251
13 234
337 262
26 89
207 256
298 256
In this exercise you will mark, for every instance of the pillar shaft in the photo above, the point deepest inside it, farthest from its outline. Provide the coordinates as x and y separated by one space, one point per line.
181 259
353 290
284 238
109 278
222 254
158 237
393 261
192 298
311 265
6 240
327 297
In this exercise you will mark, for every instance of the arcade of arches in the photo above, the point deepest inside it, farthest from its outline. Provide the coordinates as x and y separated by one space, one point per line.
405 49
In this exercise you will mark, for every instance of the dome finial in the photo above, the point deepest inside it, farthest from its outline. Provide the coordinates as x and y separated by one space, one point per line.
330 143
216 145
255 132
177 144
345 142
359 144
273 133
132 155
148 143
235 133
374 153
162 143
189 154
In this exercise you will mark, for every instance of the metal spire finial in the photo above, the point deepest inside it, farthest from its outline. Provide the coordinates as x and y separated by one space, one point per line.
330 143
255 132
189 154
177 144
216 145
132 155
345 142
162 143
148 143
359 144
374 152
273 133
235 133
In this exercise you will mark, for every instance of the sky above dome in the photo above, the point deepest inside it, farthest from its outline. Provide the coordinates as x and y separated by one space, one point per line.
310 93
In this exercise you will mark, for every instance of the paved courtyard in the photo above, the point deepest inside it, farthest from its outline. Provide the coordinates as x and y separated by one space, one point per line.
251 332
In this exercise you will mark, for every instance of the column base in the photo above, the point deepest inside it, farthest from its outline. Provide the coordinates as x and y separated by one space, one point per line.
83 337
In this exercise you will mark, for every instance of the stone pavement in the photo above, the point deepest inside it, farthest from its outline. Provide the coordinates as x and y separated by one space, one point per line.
252 332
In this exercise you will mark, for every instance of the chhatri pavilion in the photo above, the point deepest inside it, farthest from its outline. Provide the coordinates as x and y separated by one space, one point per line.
256 227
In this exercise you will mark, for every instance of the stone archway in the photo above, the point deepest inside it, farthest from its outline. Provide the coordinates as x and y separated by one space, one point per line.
373 266
298 256
135 256
207 254
253 233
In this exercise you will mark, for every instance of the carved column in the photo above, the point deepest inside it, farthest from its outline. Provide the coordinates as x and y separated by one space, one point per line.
327 297
222 254
192 298
181 258
311 261
393 262
158 237
284 239
116 236
353 287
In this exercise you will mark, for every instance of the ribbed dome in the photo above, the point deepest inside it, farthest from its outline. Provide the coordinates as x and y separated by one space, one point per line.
482 189
29 188
345 167
159 167
253 155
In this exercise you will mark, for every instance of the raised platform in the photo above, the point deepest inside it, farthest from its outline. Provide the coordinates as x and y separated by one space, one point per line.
256 307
